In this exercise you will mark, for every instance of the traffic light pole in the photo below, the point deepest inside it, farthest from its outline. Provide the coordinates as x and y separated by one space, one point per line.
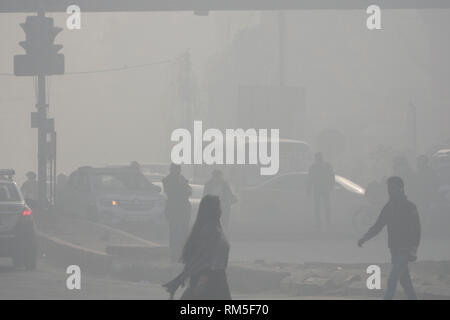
41 60
42 142
42 135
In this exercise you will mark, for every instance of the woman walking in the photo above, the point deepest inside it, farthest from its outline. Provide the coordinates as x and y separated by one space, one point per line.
205 257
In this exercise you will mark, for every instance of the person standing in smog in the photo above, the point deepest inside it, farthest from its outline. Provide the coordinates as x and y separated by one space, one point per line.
178 209
29 189
401 218
320 183
218 186
205 257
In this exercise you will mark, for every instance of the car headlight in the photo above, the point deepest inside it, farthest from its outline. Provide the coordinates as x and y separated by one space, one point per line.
109 202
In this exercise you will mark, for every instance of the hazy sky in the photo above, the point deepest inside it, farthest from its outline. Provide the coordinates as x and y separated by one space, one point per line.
116 117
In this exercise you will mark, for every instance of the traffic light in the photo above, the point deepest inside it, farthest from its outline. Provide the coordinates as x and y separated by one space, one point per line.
41 56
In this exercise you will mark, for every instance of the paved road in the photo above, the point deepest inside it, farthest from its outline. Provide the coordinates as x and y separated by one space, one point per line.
47 282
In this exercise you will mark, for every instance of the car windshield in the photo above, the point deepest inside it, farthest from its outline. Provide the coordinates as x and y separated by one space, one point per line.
9 193
120 181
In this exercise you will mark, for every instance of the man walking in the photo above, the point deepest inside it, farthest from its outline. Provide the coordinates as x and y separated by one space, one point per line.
403 226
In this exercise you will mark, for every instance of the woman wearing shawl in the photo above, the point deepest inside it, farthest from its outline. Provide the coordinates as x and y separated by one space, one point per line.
205 257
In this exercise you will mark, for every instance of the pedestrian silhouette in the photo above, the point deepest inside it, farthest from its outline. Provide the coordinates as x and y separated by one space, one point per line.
401 218
218 186
29 190
178 209
320 183
205 257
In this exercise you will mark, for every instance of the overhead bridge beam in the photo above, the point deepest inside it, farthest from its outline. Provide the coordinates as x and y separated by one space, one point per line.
16 6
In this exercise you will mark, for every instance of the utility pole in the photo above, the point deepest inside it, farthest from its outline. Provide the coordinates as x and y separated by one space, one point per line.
42 140
42 132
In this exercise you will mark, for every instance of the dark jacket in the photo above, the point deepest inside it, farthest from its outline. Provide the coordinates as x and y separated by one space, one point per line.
178 191
403 225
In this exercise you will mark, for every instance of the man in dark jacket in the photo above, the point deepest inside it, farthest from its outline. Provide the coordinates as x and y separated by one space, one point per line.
403 226
178 210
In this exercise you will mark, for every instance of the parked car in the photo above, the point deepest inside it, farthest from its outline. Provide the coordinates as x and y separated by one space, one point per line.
282 202
17 230
111 195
